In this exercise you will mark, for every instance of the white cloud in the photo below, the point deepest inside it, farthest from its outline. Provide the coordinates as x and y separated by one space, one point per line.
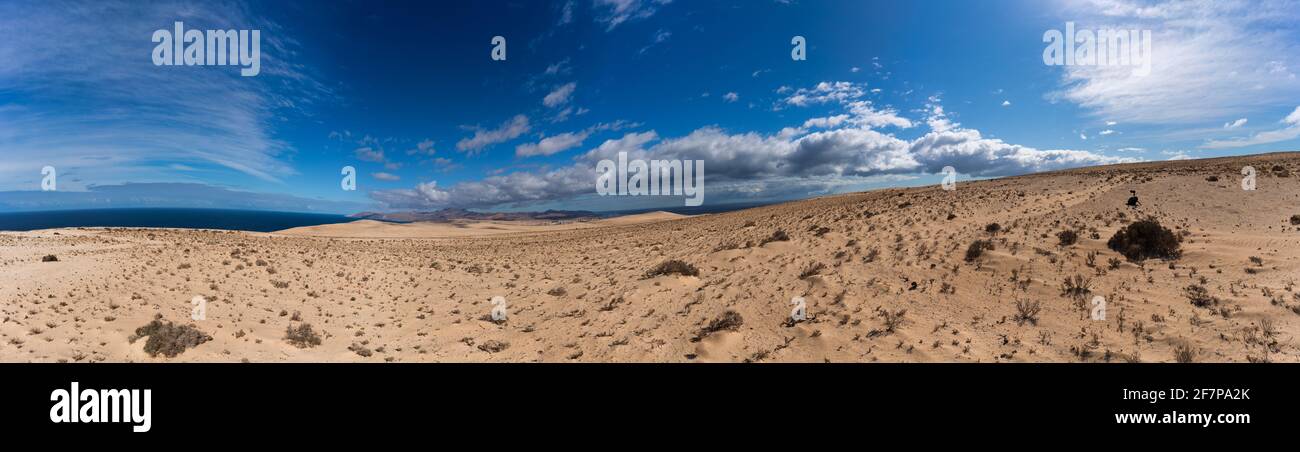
385 176
824 92
1006 103
369 154
1210 59
509 130
423 148
560 95
1234 124
1290 132
206 118
551 144
612 13
731 97
845 147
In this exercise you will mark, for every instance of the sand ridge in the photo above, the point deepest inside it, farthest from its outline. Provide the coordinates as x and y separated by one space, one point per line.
883 273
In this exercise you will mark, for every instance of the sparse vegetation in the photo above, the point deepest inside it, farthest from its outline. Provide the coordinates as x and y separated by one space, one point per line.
1145 239
811 270
50 258
1185 353
778 236
1199 296
1067 237
977 249
1027 312
493 346
169 339
302 336
1076 287
992 228
891 319
728 321
673 266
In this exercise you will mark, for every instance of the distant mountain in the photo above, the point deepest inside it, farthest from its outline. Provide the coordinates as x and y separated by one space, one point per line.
446 215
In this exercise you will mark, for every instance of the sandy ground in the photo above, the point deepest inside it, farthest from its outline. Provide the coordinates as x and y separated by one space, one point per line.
578 293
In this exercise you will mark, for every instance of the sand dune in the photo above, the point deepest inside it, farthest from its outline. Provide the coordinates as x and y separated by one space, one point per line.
884 274
459 229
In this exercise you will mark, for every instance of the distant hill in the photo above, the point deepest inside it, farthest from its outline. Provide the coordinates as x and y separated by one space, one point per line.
447 215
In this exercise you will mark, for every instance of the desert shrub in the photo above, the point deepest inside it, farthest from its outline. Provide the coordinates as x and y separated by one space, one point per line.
360 350
557 291
1199 296
892 319
494 346
1295 220
169 339
50 258
1076 287
778 236
1027 312
302 337
673 266
1067 237
1185 353
1145 239
811 270
977 249
992 228
1212 179
728 321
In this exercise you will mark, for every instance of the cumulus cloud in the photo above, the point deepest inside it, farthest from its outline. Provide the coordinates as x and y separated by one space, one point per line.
386 176
824 92
731 97
509 130
834 150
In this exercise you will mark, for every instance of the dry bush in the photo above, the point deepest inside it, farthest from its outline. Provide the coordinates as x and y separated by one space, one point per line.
728 321
169 339
1185 353
1027 312
977 249
811 270
1076 287
778 236
1067 237
1199 296
1145 239
672 266
302 337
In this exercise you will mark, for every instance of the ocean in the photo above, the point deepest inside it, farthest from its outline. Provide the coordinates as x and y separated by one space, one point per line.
240 220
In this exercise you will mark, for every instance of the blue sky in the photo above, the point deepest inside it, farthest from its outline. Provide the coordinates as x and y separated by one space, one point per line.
406 92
